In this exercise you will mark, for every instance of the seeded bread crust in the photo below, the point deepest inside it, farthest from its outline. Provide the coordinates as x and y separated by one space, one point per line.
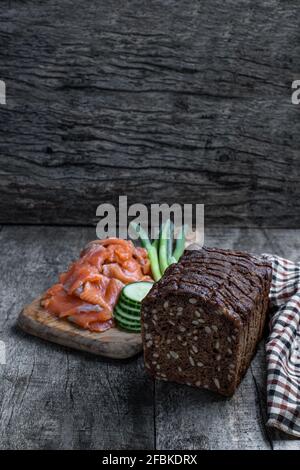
202 321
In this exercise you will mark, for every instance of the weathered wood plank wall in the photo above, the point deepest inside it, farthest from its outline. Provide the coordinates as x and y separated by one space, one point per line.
161 100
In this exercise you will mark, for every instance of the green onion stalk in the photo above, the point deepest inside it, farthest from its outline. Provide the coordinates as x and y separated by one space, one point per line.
180 243
151 250
163 246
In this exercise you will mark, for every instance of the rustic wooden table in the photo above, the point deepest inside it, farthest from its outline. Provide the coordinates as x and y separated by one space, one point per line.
55 398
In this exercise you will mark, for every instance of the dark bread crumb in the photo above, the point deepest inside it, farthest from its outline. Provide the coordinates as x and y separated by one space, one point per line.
202 321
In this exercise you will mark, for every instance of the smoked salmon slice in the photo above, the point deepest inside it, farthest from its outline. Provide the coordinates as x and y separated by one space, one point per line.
87 293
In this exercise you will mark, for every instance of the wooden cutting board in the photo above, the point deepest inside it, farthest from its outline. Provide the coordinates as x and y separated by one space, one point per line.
114 343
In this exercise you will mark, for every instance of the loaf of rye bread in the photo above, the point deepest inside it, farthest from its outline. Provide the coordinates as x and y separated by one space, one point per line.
202 321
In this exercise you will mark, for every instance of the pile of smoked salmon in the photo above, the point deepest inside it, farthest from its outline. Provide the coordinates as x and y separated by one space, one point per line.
87 293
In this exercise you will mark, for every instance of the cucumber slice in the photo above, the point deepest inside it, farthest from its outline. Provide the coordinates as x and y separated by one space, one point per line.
134 312
126 324
128 309
129 304
123 318
129 328
137 291
119 313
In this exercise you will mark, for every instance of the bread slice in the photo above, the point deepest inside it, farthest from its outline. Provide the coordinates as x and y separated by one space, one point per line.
202 321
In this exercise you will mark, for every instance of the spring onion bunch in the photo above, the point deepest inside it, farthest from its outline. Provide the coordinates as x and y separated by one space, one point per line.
160 251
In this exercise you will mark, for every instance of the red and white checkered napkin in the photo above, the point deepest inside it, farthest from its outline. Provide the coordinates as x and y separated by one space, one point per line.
283 356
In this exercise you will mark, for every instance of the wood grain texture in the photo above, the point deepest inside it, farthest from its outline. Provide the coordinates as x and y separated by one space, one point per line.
190 419
54 398
113 343
163 101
